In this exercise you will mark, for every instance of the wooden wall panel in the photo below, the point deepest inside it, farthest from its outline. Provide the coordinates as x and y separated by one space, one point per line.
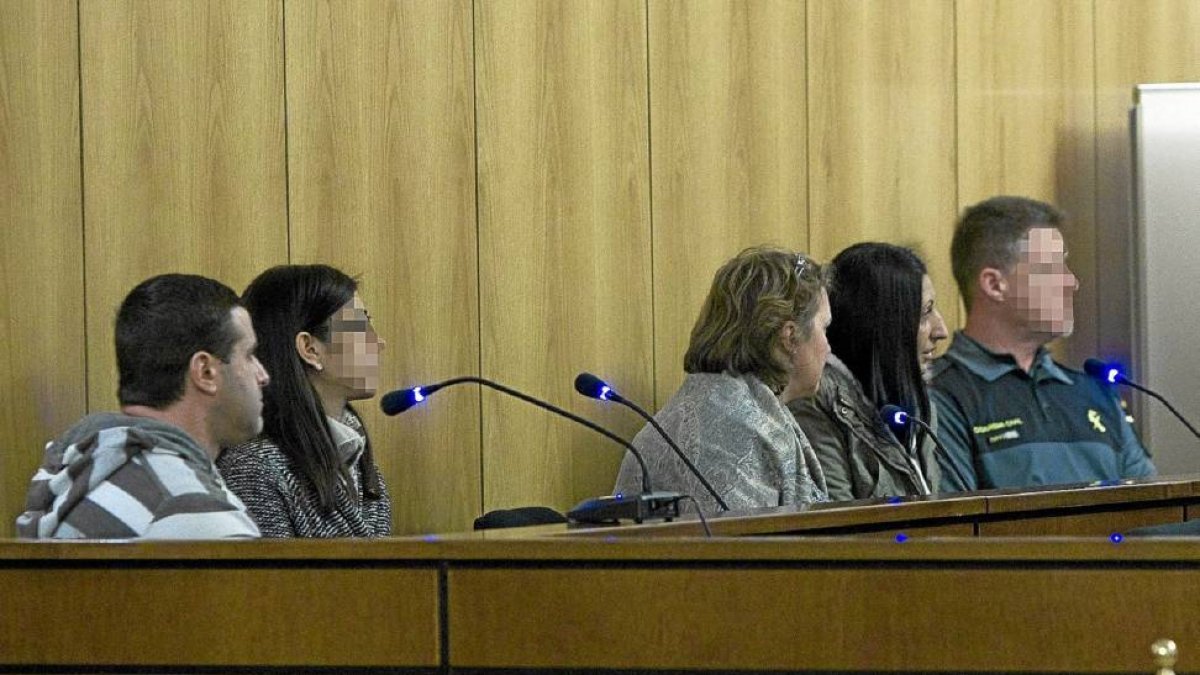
1137 42
625 149
727 115
42 379
183 151
1026 123
382 181
564 237
881 130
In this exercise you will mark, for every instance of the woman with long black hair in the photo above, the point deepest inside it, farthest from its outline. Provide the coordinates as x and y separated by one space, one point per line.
312 472
883 334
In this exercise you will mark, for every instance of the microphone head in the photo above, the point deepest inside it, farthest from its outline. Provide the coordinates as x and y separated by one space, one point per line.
894 416
593 387
400 400
1102 371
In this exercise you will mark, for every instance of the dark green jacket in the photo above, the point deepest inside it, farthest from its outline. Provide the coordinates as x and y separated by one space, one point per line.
1004 427
860 456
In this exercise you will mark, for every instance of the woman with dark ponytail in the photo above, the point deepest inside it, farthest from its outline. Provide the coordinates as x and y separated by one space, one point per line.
883 334
312 472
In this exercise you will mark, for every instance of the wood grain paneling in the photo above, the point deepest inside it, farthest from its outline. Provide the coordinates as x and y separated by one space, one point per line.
1083 524
1100 620
42 379
922 532
727 116
382 183
880 128
1026 123
1137 42
860 605
183 151
210 617
625 150
564 237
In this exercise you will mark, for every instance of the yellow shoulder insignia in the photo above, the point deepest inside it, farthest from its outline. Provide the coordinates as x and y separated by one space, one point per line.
1097 422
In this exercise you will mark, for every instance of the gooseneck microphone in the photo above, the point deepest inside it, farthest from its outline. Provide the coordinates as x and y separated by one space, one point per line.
1113 375
400 400
650 504
898 418
591 386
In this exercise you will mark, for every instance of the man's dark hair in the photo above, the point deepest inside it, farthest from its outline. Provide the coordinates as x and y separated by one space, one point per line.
160 325
875 299
989 234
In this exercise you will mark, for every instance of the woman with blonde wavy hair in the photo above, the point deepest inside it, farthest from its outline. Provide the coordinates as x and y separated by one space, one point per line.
758 343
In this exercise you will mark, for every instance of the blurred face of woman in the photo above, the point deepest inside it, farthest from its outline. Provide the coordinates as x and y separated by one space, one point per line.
352 353
806 357
932 328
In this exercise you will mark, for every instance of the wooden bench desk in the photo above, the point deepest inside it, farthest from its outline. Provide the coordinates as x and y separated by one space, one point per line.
554 604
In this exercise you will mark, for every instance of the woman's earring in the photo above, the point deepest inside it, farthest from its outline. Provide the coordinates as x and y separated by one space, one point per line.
318 367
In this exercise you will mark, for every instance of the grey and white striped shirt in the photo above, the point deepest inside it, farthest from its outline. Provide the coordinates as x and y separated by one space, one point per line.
114 476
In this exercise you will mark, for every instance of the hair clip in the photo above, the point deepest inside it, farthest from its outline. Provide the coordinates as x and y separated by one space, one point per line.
801 265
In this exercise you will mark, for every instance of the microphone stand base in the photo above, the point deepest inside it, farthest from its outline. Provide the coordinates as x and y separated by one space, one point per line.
638 508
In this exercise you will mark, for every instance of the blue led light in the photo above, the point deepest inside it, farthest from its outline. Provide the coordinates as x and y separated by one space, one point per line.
417 395
901 538
900 419
1116 537
1112 376
894 499
429 538
604 392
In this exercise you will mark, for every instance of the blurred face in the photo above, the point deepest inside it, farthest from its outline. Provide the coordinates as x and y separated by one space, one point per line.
932 328
807 356
351 356
237 414
1041 286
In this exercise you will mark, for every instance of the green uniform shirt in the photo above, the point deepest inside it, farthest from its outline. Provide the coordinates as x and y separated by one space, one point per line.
1004 427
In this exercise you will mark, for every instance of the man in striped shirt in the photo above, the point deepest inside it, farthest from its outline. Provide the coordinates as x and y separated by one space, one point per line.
190 384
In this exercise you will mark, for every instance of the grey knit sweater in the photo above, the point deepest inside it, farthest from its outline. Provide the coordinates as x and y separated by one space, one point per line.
284 504
739 435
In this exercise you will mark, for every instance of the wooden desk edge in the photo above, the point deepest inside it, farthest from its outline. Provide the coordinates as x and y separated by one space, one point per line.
406 552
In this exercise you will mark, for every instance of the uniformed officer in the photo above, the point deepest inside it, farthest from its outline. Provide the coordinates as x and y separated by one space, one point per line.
1010 416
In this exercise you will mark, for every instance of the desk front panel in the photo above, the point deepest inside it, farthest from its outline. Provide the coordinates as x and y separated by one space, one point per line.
112 613
1101 524
837 617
